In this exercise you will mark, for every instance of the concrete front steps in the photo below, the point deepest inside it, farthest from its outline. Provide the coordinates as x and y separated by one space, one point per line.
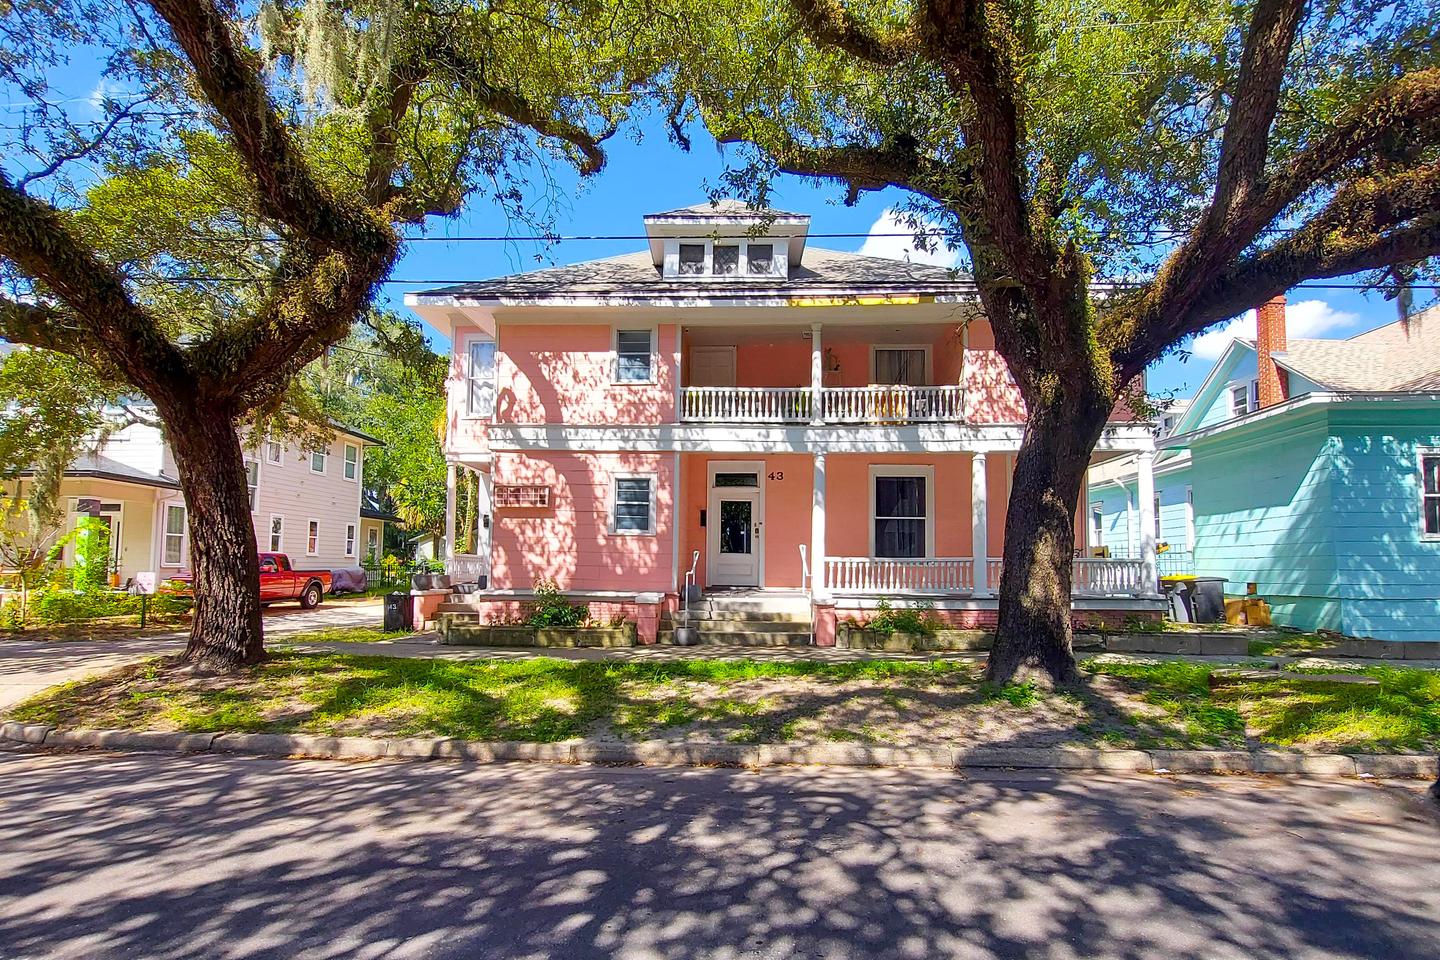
758 619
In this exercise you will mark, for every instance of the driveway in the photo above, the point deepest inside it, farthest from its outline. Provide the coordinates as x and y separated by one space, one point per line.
159 855
29 666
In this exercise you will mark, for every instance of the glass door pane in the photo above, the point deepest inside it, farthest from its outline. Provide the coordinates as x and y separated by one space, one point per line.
735 526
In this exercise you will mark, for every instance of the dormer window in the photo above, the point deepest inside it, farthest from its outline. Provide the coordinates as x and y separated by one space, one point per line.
727 259
692 259
761 257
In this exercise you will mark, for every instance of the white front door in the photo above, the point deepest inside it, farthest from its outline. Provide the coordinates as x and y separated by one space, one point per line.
712 366
736 538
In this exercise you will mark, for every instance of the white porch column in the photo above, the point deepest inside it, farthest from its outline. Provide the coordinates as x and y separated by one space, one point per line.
1145 482
817 530
817 380
449 513
483 521
979 524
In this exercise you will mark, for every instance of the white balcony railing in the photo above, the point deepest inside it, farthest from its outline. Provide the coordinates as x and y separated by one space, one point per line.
877 404
745 404
882 575
467 567
956 575
884 404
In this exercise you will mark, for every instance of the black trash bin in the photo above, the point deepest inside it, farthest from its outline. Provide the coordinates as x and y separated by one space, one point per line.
1209 599
398 612
1179 596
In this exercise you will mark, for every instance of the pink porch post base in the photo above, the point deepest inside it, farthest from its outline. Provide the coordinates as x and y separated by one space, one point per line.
425 604
825 623
647 617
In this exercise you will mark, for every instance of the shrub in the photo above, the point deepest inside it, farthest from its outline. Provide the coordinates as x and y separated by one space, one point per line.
58 605
551 609
917 618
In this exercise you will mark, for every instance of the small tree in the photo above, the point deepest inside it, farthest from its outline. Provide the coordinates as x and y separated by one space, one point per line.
31 525
1206 156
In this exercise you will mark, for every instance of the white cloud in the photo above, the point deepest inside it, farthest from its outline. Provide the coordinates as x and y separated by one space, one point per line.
1304 319
903 247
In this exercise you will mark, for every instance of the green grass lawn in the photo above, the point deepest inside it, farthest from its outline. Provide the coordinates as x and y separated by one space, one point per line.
871 701
346 635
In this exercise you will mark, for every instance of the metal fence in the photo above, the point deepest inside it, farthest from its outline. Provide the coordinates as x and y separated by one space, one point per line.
392 574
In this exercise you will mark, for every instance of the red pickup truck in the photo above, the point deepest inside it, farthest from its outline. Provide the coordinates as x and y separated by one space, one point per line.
280 581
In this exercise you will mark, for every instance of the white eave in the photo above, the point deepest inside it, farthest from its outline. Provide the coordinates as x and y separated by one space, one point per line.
1308 401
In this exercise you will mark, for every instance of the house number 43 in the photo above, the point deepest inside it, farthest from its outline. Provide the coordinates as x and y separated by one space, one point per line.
776 475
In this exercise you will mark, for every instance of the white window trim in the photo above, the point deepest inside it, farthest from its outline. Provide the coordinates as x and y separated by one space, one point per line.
165 534
929 366
345 463
615 355
372 542
274 451
779 258
254 494
1190 519
270 533
878 470
614 493
1097 532
324 462
1159 527
1420 454
1252 395
352 539
466 343
312 551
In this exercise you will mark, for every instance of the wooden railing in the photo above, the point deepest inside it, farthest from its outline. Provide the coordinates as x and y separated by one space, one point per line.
877 404
881 575
837 404
467 567
945 575
745 404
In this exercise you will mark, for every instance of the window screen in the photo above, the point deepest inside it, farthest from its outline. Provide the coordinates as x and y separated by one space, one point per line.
900 517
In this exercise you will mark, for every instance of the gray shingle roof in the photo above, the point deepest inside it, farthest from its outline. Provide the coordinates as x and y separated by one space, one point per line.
636 274
1403 356
103 468
725 208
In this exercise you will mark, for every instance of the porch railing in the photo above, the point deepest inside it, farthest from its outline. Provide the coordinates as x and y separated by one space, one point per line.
876 404
878 575
884 404
467 567
745 404
946 575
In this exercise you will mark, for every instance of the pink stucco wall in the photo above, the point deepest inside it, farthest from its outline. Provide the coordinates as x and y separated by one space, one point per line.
570 541
785 361
788 481
564 373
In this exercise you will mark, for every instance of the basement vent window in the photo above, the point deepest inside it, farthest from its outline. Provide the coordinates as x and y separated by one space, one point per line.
521 495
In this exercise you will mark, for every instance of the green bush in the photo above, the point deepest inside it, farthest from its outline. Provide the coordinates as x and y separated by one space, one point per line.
551 609
918 618
58 605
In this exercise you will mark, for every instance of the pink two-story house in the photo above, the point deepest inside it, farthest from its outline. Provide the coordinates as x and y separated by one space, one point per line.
734 404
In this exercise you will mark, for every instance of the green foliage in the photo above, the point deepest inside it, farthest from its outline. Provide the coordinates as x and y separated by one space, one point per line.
92 553
917 618
57 604
551 609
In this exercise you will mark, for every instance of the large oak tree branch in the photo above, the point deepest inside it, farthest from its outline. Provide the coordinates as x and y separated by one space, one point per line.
830 24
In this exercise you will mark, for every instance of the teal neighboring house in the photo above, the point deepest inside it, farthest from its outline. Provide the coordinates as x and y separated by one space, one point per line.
1310 468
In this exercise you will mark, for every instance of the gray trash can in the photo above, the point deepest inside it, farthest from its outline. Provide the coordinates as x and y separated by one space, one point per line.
1209 599
398 612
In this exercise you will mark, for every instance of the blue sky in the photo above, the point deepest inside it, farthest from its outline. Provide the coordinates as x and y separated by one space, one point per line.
653 174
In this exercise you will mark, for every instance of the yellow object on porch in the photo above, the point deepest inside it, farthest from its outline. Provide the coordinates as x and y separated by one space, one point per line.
1247 610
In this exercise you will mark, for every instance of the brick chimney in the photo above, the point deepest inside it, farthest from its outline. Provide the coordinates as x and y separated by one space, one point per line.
1270 339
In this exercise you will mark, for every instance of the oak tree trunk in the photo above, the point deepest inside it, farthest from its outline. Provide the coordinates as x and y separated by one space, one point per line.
226 632
1034 628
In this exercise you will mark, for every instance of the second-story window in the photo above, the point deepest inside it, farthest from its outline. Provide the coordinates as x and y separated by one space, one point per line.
352 461
317 460
761 258
252 479
900 366
726 259
634 356
274 451
481 377
1430 493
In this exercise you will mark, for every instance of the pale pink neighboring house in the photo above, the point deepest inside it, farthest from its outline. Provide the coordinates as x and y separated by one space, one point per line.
808 422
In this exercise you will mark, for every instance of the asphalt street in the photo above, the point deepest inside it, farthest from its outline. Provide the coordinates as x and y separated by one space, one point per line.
159 855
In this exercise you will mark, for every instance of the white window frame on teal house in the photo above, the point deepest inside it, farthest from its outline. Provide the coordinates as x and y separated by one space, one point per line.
321 457
1252 396
653 483
351 469
1190 518
652 361
277 533
1097 523
177 538
877 471
1426 496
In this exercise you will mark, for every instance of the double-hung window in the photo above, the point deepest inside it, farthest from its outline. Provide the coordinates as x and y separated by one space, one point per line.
481 378
274 451
1430 493
634 356
312 538
277 534
349 539
634 507
901 515
318 459
1097 524
352 461
372 543
252 479
174 535
1244 398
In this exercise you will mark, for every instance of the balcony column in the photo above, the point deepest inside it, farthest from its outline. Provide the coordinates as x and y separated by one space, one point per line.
449 514
1145 483
817 531
979 524
817 379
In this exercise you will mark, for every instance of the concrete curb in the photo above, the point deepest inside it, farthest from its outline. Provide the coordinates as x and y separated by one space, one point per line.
663 753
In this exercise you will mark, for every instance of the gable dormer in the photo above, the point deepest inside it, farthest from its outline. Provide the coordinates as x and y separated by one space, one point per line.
726 240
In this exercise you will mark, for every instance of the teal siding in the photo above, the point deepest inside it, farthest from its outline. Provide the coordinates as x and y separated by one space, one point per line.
1174 526
1240 366
1116 527
1262 516
1387 574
